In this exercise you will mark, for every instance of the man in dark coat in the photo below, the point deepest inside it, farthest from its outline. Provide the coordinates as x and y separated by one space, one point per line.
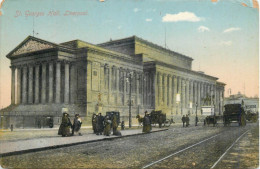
76 125
183 119
147 123
100 124
94 123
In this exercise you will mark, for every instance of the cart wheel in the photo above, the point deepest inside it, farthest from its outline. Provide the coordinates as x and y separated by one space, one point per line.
167 123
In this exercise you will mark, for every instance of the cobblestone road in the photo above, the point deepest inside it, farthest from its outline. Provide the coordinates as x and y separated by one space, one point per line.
138 151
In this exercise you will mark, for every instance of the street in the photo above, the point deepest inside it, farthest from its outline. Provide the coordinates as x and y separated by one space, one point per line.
192 147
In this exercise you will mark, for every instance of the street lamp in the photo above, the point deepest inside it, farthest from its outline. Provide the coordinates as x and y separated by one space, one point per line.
196 118
129 80
178 99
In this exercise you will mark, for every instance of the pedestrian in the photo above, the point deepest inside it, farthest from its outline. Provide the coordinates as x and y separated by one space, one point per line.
76 125
196 121
100 124
12 127
122 125
94 123
146 123
107 123
183 119
65 125
114 124
187 120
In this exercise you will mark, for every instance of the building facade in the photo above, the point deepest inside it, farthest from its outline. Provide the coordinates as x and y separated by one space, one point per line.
86 79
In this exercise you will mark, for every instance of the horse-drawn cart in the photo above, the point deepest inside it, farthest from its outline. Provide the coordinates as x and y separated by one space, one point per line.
158 117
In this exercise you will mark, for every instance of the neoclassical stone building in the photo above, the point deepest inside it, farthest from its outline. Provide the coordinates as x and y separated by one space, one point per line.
86 78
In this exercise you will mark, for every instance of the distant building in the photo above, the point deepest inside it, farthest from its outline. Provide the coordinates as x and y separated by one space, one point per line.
87 78
251 104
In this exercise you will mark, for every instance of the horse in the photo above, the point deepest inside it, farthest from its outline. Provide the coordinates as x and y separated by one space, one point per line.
140 120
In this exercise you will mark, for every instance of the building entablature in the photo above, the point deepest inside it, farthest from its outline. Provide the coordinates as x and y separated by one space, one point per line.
181 72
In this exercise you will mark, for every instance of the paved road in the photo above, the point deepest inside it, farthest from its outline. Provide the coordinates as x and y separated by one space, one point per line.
193 147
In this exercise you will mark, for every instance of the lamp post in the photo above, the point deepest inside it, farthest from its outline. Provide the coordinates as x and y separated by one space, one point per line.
129 79
196 118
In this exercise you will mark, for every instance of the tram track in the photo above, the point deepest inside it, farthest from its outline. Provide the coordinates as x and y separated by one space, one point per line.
193 146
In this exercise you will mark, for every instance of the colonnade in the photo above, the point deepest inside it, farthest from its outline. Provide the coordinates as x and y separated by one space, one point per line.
184 93
44 82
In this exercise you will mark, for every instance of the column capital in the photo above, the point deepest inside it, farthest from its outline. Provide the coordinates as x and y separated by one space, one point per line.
13 67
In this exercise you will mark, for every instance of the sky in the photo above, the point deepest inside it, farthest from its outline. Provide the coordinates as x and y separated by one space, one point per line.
221 36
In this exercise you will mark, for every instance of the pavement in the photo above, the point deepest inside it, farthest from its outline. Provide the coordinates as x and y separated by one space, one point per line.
20 146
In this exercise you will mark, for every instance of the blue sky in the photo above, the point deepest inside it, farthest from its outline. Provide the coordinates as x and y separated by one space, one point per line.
221 37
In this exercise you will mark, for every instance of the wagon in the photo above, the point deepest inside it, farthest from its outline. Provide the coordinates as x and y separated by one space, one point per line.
158 117
212 119
234 113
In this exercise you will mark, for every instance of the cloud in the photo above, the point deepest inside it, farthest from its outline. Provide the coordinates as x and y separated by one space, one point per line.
136 9
203 29
181 16
226 43
148 20
231 30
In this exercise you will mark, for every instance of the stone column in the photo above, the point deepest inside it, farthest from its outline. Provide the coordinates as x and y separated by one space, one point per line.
89 82
170 92
154 89
30 89
43 92
160 90
188 93
208 89
124 97
201 93
50 82
13 86
183 95
67 83
165 90
19 74
73 83
117 85
24 94
174 92
36 85
109 84
191 95
58 83
198 94
195 93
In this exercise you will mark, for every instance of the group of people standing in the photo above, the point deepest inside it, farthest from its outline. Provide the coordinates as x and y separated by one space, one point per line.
66 125
102 125
185 119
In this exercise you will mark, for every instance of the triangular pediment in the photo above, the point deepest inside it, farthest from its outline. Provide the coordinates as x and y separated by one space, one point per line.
31 44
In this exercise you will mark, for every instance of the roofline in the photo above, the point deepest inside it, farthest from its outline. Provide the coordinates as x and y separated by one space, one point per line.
37 39
221 83
182 69
146 42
